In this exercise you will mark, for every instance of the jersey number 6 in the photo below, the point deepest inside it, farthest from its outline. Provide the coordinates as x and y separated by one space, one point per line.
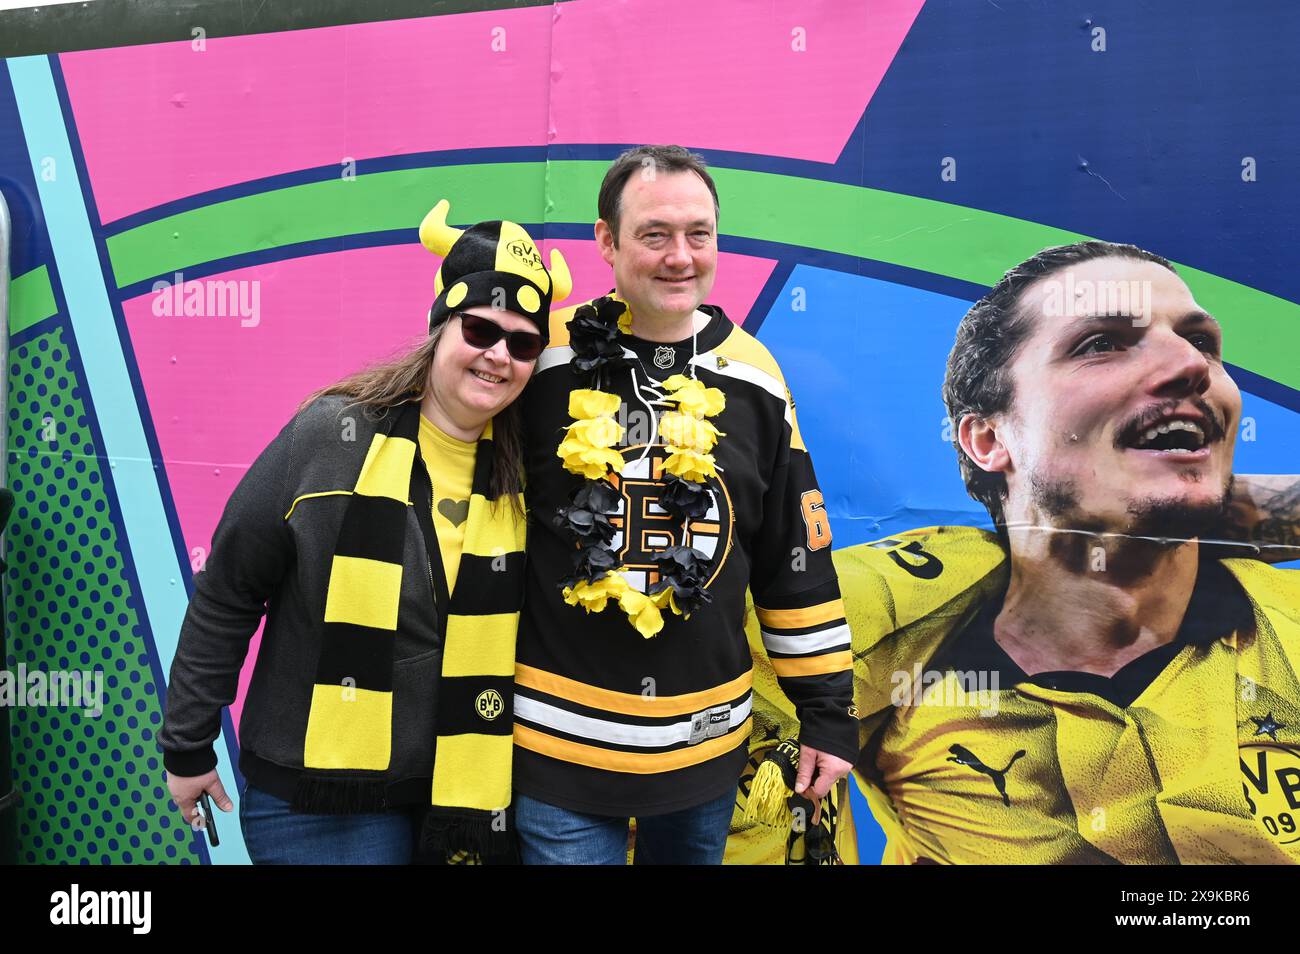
816 520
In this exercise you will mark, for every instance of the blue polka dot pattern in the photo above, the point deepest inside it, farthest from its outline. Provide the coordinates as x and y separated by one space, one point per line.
93 787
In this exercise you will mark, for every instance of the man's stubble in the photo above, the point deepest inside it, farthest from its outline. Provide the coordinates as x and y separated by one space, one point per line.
1160 518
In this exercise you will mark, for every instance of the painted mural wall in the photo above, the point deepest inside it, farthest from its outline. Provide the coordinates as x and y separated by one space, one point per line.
208 230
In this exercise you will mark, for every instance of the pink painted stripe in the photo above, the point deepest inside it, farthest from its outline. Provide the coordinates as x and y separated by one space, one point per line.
779 79
164 121
219 392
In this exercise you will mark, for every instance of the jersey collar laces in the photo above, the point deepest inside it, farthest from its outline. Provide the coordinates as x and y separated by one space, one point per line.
589 449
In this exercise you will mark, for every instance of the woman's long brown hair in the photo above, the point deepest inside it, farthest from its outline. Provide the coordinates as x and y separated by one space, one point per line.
404 378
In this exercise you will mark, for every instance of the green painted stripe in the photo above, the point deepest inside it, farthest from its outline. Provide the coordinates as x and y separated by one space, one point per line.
923 234
31 299
320 210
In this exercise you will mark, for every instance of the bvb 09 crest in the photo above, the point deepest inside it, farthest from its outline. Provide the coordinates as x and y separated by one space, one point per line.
489 704
643 527
526 252
1271 784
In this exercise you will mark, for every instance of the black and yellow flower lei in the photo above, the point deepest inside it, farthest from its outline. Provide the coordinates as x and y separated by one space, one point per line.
589 448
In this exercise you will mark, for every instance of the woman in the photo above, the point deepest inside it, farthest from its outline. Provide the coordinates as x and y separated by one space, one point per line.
382 534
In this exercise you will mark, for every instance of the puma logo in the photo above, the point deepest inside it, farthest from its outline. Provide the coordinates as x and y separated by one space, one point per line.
456 511
964 756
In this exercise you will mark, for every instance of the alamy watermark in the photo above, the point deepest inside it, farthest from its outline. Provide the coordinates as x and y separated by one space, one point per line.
1069 298
209 298
977 688
89 906
64 689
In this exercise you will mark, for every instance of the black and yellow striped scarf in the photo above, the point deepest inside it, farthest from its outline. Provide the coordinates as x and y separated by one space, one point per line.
349 727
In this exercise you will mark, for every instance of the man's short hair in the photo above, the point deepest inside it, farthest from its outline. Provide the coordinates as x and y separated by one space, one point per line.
978 379
663 159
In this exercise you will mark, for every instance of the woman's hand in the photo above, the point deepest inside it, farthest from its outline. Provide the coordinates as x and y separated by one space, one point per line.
186 790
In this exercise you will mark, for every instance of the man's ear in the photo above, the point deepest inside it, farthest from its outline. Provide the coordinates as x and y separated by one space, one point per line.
605 241
979 438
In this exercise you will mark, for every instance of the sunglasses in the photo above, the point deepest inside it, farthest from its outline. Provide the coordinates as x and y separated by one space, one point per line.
483 333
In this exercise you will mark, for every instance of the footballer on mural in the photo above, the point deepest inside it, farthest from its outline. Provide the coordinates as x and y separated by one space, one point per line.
1111 675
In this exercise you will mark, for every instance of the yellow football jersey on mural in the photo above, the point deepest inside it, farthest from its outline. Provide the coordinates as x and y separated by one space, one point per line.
1191 754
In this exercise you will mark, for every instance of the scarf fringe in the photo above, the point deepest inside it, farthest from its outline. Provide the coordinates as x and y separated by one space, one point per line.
453 830
323 795
768 794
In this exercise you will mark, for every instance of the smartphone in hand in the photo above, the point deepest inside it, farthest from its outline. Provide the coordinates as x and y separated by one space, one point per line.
209 819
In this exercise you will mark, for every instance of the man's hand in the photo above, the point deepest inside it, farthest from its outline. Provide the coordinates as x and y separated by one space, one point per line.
818 773
186 789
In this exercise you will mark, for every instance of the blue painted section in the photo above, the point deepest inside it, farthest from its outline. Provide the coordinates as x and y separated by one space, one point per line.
1269 439
77 254
865 363
31 243
871 839
766 298
1273 391
1015 93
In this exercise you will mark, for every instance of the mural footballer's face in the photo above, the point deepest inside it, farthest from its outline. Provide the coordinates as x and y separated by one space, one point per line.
1123 418
667 250
467 385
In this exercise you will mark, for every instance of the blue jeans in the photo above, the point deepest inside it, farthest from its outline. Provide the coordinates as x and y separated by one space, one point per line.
550 835
277 835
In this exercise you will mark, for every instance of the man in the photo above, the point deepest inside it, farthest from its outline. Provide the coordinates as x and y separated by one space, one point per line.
611 725
1096 683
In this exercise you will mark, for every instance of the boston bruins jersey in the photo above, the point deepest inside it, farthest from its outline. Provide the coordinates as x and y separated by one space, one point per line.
608 722
1189 754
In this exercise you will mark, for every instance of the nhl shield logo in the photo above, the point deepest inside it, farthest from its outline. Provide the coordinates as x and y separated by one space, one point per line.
665 357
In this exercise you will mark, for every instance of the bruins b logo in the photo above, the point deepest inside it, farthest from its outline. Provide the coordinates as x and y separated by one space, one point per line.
643 527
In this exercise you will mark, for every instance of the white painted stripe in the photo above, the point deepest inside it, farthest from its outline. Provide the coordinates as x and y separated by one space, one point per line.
618 733
822 641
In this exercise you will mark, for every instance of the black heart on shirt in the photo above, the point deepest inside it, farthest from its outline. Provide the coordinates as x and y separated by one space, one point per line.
456 511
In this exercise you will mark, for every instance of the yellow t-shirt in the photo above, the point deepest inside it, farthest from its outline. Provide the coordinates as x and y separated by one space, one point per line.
451 470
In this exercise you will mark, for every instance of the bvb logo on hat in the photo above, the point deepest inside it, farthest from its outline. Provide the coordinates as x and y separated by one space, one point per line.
494 265
526 252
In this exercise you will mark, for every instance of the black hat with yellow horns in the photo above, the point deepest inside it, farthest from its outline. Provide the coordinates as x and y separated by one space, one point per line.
494 264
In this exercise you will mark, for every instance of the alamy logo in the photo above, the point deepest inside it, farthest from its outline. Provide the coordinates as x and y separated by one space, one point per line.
209 298
53 689
978 689
103 907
